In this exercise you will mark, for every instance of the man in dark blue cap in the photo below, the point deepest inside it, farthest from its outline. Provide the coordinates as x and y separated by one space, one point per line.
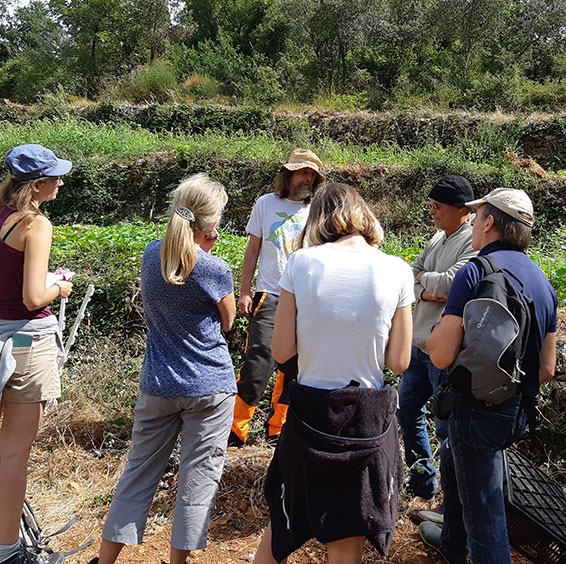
434 270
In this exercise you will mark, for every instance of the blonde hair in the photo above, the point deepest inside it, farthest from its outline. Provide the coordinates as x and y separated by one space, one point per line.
338 210
19 194
206 200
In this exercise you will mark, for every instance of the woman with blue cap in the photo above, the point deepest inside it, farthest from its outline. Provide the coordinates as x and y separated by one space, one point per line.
29 340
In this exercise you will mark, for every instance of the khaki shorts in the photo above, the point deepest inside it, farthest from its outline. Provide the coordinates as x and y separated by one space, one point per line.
36 377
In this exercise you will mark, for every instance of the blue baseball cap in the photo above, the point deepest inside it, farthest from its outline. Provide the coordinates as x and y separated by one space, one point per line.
27 162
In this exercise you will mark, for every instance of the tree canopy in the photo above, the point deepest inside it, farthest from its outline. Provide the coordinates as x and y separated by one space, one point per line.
378 53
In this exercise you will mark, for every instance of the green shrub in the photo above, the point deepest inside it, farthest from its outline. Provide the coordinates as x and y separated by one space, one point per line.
217 59
199 86
28 76
550 96
153 82
53 105
263 88
341 102
110 258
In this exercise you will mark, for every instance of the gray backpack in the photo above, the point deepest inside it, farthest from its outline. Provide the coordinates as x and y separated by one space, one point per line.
498 322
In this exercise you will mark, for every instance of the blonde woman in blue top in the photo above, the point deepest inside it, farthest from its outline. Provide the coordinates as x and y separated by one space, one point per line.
187 383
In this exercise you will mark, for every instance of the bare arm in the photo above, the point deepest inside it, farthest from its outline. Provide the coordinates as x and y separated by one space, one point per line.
445 341
36 258
248 271
227 309
284 344
547 358
398 351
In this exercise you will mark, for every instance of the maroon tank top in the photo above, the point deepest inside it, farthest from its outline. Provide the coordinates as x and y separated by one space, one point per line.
12 280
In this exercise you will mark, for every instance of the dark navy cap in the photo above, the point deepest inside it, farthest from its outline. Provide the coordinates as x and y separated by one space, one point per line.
27 162
452 190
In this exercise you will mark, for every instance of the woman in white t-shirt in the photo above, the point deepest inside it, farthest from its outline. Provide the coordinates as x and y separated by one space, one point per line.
345 309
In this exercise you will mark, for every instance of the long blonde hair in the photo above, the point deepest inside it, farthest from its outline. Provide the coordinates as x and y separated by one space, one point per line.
338 210
19 194
206 200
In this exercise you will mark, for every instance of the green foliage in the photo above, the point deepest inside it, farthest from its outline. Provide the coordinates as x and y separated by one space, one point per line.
341 102
53 105
154 82
382 53
219 60
549 252
27 76
73 138
199 86
549 96
110 258
263 88
122 172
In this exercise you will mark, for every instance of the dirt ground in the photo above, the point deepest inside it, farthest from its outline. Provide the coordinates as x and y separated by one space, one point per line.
72 472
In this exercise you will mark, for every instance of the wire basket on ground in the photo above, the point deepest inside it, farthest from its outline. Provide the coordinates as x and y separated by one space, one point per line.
536 511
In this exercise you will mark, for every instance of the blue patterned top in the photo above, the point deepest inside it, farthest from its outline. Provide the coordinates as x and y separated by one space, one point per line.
186 354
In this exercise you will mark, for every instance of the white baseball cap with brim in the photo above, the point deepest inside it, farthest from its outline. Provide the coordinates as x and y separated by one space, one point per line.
511 201
303 158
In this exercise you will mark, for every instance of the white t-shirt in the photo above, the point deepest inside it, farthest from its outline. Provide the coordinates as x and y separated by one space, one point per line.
278 222
346 298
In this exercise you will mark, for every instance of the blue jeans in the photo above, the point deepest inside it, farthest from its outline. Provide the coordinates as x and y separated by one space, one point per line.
471 464
416 388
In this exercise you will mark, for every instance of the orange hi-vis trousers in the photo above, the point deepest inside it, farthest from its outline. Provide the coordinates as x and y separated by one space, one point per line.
257 369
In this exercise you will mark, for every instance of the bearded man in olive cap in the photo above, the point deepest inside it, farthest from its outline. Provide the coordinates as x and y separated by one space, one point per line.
434 269
274 227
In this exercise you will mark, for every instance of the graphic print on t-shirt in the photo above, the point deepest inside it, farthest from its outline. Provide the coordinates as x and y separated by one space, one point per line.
285 233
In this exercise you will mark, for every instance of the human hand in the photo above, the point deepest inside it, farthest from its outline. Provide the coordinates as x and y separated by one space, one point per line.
245 303
66 273
428 297
419 275
64 288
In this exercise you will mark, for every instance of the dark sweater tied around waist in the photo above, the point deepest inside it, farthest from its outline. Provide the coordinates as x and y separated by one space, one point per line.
337 470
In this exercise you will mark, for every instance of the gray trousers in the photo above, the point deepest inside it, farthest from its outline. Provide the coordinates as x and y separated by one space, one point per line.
204 425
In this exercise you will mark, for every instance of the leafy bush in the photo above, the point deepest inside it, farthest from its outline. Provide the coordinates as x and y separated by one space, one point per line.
25 78
110 258
53 105
200 86
341 102
263 88
153 82
218 59
549 96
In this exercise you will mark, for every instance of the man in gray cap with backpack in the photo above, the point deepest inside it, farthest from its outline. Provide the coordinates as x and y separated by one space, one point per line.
434 270
501 289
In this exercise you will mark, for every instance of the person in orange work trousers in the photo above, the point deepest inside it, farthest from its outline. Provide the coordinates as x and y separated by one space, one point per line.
275 224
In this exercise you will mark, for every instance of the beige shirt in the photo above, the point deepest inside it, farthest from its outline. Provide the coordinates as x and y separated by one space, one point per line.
441 259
